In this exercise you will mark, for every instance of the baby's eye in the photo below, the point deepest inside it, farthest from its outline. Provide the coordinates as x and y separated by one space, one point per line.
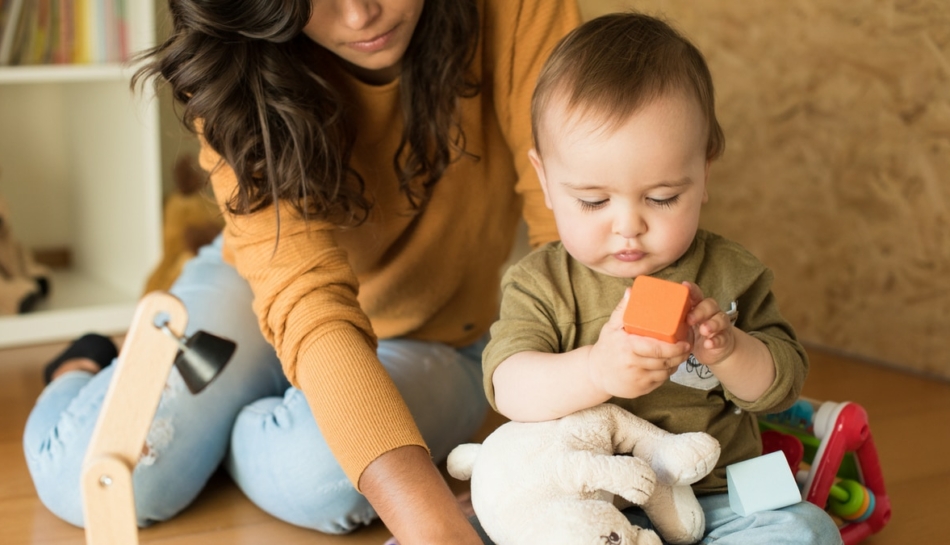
665 203
591 205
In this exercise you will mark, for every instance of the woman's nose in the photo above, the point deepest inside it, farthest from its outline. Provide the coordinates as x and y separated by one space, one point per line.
359 14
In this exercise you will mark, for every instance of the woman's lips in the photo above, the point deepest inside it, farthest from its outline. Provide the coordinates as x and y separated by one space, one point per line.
629 256
374 44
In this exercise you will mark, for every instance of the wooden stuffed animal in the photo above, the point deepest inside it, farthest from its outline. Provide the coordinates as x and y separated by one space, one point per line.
191 220
23 282
553 482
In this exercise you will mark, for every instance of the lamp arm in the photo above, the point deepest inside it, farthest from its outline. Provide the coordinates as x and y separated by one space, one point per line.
126 415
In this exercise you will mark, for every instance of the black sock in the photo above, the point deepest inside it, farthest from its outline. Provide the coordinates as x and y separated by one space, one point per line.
97 348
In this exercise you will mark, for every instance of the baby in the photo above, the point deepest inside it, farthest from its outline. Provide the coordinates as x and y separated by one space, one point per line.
625 132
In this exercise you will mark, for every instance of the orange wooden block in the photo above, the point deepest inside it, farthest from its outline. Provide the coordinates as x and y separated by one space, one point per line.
657 308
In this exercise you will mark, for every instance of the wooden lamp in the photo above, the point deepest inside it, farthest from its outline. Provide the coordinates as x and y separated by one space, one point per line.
146 358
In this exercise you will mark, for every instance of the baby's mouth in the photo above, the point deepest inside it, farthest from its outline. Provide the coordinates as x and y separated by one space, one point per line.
629 256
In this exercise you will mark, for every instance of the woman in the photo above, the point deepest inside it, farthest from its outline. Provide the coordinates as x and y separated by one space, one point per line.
370 158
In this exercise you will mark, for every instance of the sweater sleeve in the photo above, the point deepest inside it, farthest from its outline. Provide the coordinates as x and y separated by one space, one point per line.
520 36
305 299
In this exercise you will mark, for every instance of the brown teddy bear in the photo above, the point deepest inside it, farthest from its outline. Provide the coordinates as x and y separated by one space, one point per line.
23 282
191 220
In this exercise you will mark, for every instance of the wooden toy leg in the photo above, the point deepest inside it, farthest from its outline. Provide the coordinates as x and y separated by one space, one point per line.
126 415
108 502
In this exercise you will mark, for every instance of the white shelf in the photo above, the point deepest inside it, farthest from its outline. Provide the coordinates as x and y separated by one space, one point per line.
80 168
45 73
77 304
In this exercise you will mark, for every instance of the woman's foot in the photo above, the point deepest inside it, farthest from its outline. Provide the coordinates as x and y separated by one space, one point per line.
76 364
91 352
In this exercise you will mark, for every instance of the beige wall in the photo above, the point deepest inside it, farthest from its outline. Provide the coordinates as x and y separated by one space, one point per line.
837 164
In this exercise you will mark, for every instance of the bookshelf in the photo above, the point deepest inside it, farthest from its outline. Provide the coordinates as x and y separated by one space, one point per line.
80 168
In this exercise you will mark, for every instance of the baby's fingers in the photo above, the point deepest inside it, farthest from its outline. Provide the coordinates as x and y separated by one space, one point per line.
658 355
715 325
703 311
714 341
695 293
616 317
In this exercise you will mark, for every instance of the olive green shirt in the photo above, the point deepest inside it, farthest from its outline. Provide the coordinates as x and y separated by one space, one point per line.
552 303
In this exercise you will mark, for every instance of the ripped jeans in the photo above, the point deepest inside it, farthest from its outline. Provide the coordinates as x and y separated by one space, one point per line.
249 418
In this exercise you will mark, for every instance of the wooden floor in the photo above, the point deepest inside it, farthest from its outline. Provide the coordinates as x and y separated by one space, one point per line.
910 421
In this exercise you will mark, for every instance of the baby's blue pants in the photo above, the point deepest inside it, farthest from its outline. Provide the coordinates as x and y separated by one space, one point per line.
799 524
249 418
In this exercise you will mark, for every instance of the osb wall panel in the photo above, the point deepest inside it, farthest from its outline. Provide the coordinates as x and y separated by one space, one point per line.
837 164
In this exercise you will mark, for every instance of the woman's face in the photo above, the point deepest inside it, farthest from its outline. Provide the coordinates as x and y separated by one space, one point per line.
371 36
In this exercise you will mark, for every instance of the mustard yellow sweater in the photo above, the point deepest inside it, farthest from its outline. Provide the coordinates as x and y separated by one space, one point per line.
327 294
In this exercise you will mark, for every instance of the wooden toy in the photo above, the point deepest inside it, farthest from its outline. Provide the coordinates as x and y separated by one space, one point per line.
23 281
841 471
657 308
153 344
763 483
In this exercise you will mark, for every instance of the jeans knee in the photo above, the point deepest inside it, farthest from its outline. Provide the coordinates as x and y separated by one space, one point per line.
54 447
318 500
341 511
280 461
60 494
812 524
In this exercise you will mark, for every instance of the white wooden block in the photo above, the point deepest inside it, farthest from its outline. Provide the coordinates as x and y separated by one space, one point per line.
761 484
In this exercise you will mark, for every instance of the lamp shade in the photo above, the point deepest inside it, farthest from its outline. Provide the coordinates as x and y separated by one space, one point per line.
201 358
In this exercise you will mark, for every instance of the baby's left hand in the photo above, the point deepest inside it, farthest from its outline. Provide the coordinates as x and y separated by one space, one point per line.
713 335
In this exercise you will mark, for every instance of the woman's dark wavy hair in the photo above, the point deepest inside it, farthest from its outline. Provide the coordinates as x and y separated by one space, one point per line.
238 70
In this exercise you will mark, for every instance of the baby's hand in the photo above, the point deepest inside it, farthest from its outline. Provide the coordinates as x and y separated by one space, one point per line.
713 335
630 366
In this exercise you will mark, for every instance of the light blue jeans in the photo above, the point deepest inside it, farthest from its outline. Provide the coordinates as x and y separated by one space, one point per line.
249 418
800 524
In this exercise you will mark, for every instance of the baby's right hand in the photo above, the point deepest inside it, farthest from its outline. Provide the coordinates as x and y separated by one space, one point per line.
629 366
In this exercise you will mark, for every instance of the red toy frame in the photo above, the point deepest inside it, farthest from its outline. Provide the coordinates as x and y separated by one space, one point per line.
842 429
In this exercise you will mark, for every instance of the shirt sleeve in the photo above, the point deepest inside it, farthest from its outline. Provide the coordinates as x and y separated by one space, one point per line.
759 316
305 299
522 37
527 321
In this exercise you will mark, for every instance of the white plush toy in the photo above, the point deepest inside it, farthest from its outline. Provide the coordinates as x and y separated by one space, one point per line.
553 482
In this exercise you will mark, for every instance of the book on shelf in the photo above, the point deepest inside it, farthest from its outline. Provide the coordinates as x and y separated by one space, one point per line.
63 32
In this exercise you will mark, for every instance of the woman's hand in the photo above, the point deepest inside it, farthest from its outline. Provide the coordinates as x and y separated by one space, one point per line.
413 500
627 365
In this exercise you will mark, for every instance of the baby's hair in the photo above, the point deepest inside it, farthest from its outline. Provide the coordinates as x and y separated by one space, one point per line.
614 64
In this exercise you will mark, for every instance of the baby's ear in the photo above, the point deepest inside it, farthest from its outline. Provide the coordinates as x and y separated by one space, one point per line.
538 165
706 181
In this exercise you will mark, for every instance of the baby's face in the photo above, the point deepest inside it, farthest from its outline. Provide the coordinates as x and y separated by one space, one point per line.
626 201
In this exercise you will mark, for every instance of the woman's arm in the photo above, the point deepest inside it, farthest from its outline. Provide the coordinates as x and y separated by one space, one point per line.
413 500
521 35
305 298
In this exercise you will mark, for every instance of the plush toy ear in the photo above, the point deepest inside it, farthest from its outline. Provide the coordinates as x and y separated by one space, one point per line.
187 175
461 461
17 295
